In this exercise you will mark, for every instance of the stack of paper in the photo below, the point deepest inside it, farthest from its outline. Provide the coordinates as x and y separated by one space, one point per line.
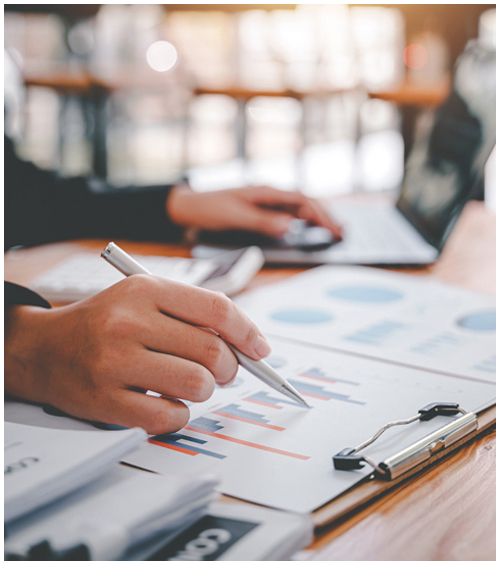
44 464
119 511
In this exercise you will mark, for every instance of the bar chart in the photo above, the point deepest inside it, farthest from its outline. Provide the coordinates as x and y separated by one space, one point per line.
266 448
211 427
176 442
242 412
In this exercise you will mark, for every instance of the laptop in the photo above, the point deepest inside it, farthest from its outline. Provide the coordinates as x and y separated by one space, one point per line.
442 172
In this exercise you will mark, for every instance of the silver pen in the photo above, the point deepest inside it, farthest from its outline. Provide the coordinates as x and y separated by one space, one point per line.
122 261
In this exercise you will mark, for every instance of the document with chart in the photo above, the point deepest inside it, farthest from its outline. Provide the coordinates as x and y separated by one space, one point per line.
267 449
364 347
385 315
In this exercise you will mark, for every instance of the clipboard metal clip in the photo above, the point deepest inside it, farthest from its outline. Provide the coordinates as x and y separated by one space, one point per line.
349 459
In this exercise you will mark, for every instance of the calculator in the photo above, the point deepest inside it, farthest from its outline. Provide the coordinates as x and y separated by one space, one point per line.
86 274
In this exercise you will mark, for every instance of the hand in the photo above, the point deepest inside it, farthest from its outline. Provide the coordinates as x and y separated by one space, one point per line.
261 208
94 359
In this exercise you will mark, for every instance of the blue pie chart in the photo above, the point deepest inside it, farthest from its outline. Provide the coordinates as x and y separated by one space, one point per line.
301 316
365 294
479 321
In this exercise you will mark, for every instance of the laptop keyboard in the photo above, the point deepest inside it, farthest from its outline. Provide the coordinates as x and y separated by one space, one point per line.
378 229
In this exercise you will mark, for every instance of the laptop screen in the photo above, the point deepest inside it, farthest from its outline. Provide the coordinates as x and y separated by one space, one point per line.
451 148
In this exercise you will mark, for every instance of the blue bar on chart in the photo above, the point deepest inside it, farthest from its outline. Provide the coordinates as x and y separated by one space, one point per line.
488 365
320 392
436 343
175 442
266 399
206 426
320 375
376 334
234 412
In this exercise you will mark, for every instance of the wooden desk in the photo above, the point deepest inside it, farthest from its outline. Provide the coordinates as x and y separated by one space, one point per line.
446 512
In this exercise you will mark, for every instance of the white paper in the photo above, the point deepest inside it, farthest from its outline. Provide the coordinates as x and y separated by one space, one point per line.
42 464
385 315
268 450
120 509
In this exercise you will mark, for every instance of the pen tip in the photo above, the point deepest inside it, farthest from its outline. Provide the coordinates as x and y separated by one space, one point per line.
289 391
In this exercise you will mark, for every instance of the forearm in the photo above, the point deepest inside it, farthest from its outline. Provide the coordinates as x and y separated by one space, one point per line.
70 210
22 341
41 207
24 328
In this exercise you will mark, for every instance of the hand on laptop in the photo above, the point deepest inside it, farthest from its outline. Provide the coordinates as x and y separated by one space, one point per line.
95 358
259 208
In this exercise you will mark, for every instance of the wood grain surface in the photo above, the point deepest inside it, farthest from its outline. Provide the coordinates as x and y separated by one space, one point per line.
445 513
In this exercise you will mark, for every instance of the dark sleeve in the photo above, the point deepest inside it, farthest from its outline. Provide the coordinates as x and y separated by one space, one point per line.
15 294
41 207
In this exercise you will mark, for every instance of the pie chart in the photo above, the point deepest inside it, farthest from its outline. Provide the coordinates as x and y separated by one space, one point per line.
301 316
479 321
365 294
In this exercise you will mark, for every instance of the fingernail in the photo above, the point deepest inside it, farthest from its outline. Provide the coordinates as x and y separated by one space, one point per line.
224 385
262 347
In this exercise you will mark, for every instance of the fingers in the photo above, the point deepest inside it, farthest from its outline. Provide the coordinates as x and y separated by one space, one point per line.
175 377
204 308
153 414
195 344
315 213
269 222
172 377
298 204
269 196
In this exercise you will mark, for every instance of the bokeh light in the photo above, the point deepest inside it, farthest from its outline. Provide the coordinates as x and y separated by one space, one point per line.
161 56
415 56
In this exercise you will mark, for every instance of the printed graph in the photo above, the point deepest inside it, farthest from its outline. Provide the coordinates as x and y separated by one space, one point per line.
321 393
234 412
436 344
245 411
266 399
488 365
301 316
479 321
175 442
320 375
365 294
212 428
376 334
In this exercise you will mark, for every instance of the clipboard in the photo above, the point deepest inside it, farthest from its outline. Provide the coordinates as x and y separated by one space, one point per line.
373 485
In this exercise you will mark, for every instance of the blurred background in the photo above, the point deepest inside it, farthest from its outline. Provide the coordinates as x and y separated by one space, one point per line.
321 98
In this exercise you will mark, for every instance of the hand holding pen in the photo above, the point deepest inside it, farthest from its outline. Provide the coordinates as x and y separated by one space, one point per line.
259 368
94 359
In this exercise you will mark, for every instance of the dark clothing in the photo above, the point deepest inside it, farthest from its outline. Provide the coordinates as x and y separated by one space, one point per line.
41 207
15 294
